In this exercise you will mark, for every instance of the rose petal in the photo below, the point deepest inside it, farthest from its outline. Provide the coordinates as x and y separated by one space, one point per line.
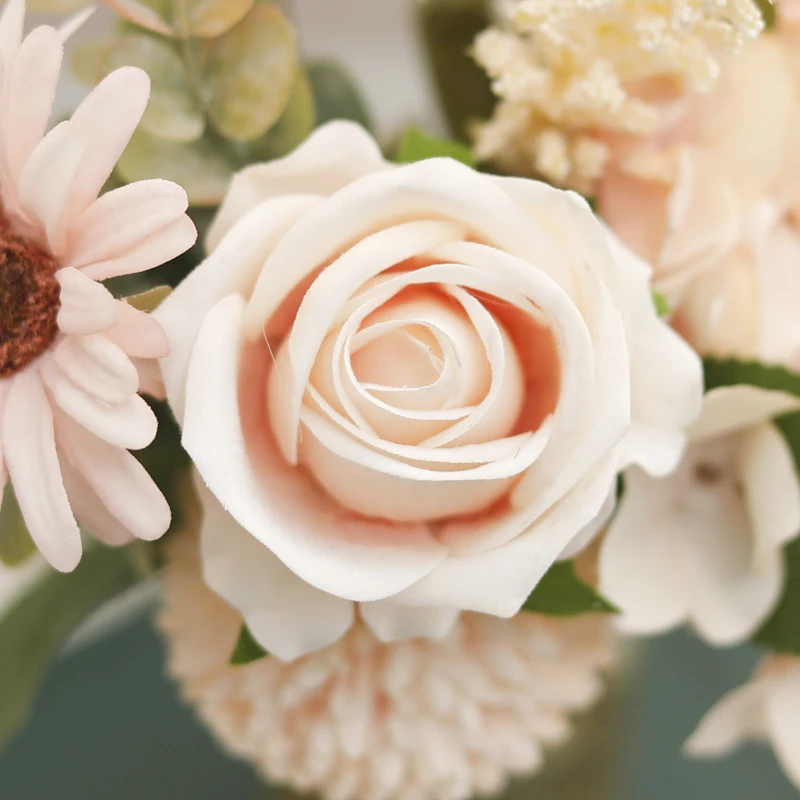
287 616
392 622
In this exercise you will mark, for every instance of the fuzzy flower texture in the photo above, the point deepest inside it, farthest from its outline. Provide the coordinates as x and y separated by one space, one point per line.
564 69
69 403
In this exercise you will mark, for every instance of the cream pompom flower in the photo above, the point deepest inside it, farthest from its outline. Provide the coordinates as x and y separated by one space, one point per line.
69 403
365 720
766 709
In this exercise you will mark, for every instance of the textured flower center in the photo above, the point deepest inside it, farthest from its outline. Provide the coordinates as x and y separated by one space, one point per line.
29 300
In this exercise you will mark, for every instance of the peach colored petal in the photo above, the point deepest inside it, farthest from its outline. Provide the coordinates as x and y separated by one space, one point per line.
140 335
165 244
86 306
286 615
351 558
47 178
30 451
98 366
131 424
107 117
120 482
309 169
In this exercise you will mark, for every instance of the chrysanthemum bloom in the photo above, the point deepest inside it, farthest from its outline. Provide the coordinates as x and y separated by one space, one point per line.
569 72
364 720
69 403
766 709
704 545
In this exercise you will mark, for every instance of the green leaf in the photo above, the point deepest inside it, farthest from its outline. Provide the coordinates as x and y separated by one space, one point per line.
661 304
15 541
417 146
201 167
150 300
292 128
336 95
247 649
207 18
250 72
769 12
33 630
561 593
781 632
732 372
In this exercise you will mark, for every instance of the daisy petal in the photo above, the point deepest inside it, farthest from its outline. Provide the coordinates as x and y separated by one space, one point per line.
46 181
120 482
108 117
131 425
86 306
117 222
11 25
140 335
30 450
165 244
74 23
782 713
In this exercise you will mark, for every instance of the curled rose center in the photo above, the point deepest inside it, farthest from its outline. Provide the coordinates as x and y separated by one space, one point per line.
29 300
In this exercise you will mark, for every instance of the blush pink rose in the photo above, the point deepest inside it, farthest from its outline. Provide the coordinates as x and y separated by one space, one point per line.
409 388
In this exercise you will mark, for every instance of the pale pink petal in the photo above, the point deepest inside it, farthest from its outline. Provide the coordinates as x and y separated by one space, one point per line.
287 616
140 335
30 450
782 715
771 490
90 511
590 531
107 117
11 26
86 306
121 219
162 246
232 267
730 408
392 622
120 482
29 87
74 23
47 178
739 716
309 169
354 558
131 425
151 382
98 367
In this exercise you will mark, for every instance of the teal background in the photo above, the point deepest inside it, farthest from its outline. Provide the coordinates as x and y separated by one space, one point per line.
109 725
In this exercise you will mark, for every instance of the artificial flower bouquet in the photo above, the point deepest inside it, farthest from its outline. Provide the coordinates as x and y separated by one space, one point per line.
419 431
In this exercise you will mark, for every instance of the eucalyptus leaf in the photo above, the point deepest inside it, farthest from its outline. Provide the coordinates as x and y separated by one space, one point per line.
250 73
150 300
15 541
731 372
292 128
336 95
207 18
201 167
417 146
33 630
247 649
149 14
561 593
781 632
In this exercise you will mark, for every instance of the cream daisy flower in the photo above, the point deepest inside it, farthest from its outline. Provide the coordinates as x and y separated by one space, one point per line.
69 403
361 719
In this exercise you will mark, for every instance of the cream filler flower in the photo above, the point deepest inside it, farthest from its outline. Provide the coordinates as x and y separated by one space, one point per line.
766 709
411 388
69 403
569 72
704 545
362 720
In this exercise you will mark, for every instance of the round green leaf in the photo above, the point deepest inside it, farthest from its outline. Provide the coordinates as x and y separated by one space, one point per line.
251 71
207 18
336 95
292 128
200 167
149 14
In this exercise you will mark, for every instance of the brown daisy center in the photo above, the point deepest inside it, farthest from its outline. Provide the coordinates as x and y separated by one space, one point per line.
29 300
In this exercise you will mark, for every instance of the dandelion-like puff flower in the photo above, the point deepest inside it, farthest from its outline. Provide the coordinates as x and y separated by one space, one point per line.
69 403
365 720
